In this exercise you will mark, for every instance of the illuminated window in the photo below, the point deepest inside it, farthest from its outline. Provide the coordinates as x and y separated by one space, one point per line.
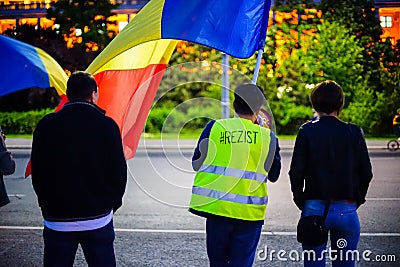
386 21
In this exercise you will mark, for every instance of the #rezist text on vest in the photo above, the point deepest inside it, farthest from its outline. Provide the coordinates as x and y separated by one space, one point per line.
240 136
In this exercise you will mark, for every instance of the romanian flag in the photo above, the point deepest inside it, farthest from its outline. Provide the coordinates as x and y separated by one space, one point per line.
127 86
25 66
129 70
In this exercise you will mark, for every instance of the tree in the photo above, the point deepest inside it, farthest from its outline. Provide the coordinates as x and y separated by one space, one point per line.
380 62
360 17
330 53
84 21
333 53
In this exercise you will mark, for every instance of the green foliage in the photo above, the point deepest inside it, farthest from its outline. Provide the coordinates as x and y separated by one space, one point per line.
187 76
333 54
344 45
183 118
359 16
288 115
364 110
22 122
89 17
386 103
373 110
155 119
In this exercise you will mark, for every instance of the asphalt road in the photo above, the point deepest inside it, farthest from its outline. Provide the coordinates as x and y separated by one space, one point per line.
154 228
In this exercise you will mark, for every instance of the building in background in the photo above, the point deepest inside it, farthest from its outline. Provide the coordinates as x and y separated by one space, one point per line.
21 12
389 16
34 13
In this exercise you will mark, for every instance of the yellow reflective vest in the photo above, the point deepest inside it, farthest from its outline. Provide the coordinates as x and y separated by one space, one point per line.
232 181
396 120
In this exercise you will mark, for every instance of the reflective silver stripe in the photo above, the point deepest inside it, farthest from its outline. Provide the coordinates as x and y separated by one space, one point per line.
260 177
229 196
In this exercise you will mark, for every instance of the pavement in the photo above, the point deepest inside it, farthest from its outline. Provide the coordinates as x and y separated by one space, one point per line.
184 144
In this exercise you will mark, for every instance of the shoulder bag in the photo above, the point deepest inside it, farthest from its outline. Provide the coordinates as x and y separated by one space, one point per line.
311 230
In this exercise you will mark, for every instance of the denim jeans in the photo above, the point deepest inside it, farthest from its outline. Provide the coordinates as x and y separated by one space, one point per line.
97 245
344 231
231 244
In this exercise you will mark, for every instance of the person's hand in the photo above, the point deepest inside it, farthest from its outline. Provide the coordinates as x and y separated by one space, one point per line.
3 136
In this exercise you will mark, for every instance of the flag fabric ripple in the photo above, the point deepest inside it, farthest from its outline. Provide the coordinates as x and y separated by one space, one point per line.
233 27
129 70
25 66
127 86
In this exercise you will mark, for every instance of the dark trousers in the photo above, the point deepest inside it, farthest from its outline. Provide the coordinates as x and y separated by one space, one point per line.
3 193
396 129
231 244
97 245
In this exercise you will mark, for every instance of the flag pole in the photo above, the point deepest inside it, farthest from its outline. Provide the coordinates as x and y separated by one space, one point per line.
225 102
258 62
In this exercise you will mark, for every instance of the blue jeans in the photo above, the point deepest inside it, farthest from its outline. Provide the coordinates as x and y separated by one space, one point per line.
344 229
97 245
232 244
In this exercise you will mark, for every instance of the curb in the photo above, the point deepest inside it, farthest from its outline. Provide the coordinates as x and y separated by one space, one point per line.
188 144
183 147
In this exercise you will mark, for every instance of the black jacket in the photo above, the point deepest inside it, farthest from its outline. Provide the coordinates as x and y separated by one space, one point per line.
78 166
330 161
7 167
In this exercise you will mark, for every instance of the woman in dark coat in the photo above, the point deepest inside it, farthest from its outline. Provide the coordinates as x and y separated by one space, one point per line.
331 166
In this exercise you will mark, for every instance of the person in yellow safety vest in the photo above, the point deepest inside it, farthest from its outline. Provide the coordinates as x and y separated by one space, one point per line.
234 158
396 123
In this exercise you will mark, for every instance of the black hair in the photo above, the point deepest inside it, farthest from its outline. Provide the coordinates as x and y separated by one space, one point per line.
327 97
80 86
249 98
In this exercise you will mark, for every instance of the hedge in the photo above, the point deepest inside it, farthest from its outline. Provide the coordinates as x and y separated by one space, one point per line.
21 122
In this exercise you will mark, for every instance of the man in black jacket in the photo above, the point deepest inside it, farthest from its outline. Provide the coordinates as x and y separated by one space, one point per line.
79 176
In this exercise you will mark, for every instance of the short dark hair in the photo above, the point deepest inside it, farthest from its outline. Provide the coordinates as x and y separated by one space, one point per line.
80 86
249 98
327 97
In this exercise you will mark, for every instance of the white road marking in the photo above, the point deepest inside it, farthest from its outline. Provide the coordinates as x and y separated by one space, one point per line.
383 198
19 196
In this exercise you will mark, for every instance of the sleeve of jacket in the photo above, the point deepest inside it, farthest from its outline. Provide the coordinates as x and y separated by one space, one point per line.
38 158
275 170
119 167
7 164
200 152
364 168
297 169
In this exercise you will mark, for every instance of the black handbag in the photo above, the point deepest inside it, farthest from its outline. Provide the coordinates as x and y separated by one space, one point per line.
311 230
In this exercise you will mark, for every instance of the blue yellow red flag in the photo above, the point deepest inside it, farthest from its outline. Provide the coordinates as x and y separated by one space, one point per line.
128 69
25 66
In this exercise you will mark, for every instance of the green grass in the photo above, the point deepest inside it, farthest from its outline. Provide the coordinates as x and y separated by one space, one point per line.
380 138
286 137
25 136
185 135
